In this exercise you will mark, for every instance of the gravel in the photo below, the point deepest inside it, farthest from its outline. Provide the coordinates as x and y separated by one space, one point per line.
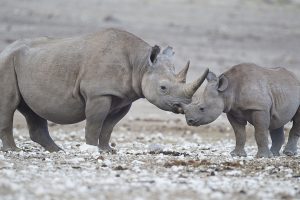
148 165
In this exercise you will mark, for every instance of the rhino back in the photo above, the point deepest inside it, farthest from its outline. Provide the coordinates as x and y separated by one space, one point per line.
272 89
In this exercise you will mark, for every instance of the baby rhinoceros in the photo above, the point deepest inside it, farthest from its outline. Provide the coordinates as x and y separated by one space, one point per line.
266 98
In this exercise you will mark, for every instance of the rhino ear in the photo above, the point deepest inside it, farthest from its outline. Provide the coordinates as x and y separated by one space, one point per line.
222 83
154 52
211 77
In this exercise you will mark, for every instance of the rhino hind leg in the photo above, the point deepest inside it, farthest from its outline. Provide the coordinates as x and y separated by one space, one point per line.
9 100
38 128
6 125
6 134
107 128
291 146
277 137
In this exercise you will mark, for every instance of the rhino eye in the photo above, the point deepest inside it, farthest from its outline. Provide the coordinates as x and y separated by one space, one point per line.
201 109
163 87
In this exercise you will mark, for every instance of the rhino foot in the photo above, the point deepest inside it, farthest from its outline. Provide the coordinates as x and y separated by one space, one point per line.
290 151
107 148
275 153
5 149
238 153
264 154
53 148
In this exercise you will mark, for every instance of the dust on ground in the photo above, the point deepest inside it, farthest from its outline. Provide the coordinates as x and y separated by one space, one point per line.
159 156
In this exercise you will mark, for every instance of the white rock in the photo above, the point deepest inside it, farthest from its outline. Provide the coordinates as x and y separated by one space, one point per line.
76 160
234 173
88 148
4 165
155 147
95 155
107 163
137 162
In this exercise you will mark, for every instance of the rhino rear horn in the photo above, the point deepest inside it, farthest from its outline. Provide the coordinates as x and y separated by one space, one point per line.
191 88
181 76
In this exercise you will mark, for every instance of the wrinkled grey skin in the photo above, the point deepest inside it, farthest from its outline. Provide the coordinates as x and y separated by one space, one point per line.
94 77
266 98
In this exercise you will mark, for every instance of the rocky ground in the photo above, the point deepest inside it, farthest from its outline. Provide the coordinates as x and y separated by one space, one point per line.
156 159
158 155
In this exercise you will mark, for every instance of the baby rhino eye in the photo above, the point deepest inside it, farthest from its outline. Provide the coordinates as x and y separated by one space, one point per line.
201 109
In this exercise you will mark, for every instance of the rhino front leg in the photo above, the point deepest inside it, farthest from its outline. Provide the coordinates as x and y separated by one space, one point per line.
261 121
107 128
96 112
38 128
240 136
291 146
277 137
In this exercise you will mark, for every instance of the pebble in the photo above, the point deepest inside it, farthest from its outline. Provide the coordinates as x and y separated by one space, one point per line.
155 148
88 148
5 165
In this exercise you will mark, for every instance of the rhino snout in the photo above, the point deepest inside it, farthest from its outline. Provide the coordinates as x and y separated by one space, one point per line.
177 108
191 122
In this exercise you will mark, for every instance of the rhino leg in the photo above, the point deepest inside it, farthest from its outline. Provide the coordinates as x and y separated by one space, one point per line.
9 100
107 128
38 128
277 136
240 136
96 111
6 134
291 146
261 121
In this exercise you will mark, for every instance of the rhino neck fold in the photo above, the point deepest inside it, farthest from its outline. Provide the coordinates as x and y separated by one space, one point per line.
139 69
227 100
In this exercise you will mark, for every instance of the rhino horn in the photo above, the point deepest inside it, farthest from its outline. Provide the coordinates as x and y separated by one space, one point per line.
191 88
181 76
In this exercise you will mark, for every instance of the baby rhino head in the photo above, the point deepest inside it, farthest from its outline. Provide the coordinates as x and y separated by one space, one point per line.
209 105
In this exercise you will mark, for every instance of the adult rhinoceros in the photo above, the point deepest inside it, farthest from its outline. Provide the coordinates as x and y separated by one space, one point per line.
94 77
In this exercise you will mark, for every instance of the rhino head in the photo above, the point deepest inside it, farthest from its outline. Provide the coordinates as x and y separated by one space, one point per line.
209 105
163 87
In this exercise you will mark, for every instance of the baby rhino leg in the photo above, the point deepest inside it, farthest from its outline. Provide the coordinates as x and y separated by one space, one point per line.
261 121
277 136
240 136
291 146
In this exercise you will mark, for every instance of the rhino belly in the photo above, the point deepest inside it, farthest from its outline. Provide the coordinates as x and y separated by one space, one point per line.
283 115
52 101
54 109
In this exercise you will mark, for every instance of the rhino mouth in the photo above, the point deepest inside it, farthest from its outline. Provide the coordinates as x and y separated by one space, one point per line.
192 122
177 108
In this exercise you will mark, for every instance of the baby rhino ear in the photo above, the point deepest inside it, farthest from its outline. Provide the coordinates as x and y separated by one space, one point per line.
211 77
223 83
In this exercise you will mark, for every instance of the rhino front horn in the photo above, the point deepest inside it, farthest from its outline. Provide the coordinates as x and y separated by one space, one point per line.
191 88
181 76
